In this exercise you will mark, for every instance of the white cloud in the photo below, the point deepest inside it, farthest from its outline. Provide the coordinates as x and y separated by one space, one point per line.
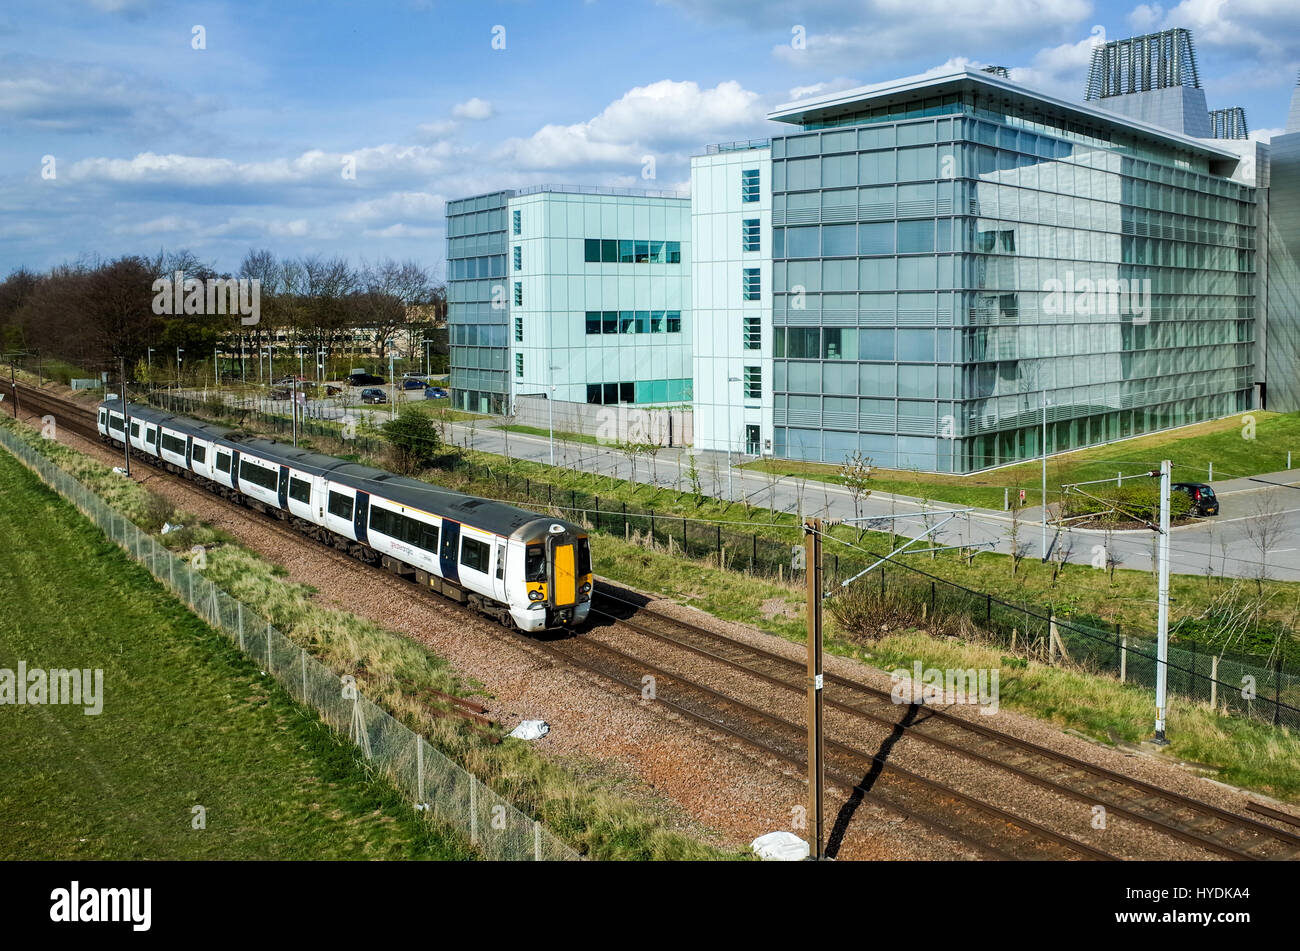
473 109
421 206
401 231
1264 135
164 225
647 120
1265 28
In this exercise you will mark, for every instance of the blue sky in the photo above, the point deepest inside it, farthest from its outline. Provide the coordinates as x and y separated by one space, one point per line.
244 143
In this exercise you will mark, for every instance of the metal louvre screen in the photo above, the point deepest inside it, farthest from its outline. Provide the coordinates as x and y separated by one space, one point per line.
444 792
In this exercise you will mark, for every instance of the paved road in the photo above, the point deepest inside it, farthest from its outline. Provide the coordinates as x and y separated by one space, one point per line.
1229 544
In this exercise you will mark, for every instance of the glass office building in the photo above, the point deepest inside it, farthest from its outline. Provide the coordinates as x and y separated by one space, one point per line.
950 253
477 313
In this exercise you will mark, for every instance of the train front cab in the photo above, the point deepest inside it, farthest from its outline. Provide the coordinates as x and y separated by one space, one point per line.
569 581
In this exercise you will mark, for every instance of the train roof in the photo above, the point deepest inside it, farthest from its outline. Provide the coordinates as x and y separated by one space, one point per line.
499 518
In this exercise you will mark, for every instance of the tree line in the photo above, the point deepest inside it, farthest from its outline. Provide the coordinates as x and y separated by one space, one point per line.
96 313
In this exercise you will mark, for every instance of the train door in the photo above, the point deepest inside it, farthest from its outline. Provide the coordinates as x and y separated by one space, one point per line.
499 572
449 550
564 569
189 452
360 516
284 488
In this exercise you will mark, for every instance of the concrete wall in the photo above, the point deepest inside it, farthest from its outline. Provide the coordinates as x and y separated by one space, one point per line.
610 424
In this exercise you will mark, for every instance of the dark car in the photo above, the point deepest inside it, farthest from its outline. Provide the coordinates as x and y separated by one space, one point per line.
373 395
1204 501
411 383
365 379
434 393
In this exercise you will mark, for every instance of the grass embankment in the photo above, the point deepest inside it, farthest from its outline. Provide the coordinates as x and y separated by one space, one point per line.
392 670
187 721
1233 444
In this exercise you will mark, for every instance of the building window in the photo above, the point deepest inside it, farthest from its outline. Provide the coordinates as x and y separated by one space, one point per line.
749 234
519 330
633 321
753 383
622 251
749 185
517 224
519 258
752 286
519 294
519 364
753 333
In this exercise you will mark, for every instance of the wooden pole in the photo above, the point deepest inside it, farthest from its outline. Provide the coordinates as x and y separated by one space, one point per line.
816 766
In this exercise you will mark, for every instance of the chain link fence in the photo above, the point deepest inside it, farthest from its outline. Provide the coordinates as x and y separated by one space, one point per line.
445 793
1241 684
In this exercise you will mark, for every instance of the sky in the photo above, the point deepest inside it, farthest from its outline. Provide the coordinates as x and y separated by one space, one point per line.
333 128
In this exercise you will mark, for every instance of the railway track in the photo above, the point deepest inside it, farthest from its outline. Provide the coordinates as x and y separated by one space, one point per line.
1188 820
973 823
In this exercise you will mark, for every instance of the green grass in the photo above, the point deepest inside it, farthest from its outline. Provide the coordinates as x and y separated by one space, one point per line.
538 431
186 721
1190 448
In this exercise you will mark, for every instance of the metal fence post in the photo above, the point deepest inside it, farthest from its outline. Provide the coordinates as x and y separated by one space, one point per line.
239 615
419 768
1214 682
1123 658
304 675
537 841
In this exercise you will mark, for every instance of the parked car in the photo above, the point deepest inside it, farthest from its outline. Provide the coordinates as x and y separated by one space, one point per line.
1204 501
365 379
279 394
434 393
373 395
411 383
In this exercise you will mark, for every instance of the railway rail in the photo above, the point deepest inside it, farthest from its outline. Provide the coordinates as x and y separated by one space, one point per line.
975 824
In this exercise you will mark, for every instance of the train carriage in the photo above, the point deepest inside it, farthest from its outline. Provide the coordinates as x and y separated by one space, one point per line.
530 571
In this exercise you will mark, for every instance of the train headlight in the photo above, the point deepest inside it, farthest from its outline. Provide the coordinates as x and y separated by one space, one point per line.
536 596
585 588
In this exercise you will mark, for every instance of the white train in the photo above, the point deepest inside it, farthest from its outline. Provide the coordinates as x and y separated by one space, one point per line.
515 566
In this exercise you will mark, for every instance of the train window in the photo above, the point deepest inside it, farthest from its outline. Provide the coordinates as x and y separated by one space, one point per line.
300 490
266 478
172 444
534 563
340 505
584 557
135 430
474 554
115 423
200 454
223 462
404 528
429 537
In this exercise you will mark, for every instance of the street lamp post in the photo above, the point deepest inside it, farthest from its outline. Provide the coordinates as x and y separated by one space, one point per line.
550 413
179 351
149 360
1046 403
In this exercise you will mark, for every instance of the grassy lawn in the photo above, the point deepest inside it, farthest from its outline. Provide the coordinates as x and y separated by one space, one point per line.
538 431
186 721
1190 448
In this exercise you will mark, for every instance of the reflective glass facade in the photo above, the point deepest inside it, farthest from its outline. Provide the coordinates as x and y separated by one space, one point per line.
478 315
938 268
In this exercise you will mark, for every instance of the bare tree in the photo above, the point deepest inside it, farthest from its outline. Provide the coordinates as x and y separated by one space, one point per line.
1265 528
856 473
1019 547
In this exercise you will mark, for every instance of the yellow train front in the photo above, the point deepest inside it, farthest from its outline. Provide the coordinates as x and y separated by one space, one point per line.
556 568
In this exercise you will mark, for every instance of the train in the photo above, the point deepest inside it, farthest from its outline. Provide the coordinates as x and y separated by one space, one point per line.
519 568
